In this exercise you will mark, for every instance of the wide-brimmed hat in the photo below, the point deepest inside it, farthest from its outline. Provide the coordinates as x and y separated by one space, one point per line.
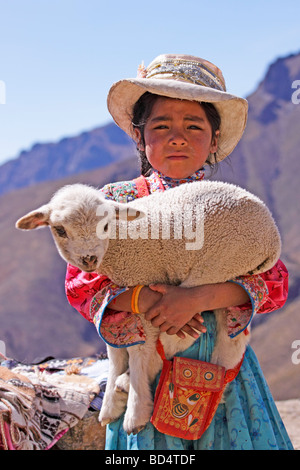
182 77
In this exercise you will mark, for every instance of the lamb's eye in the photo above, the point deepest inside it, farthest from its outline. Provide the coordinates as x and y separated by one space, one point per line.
60 231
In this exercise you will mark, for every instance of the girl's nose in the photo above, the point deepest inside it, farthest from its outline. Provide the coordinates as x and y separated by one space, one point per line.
178 138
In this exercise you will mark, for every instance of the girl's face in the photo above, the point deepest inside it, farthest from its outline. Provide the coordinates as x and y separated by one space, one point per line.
178 137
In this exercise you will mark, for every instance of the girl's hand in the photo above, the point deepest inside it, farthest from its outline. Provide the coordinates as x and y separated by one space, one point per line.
196 323
175 312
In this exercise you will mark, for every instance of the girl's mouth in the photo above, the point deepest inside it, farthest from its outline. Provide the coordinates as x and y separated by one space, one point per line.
177 157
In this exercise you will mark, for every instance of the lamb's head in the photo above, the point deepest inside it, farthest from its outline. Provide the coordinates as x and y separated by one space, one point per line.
81 221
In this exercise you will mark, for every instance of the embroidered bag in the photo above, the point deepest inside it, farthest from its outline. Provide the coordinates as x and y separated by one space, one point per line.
188 394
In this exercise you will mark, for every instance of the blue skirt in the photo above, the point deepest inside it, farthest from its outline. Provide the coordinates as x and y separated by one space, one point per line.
248 420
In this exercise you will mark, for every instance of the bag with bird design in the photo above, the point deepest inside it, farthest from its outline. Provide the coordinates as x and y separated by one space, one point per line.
187 396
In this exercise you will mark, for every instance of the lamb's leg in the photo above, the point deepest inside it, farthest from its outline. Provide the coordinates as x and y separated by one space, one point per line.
114 402
144 365
123 382
227 351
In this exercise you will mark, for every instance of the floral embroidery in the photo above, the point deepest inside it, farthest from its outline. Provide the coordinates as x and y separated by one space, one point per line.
238 318
124 191
157 178
115 328
141 71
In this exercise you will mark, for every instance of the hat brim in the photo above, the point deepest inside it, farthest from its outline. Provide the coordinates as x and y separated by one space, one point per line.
233 110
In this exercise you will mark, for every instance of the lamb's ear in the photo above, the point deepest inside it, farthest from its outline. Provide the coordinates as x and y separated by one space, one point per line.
35 219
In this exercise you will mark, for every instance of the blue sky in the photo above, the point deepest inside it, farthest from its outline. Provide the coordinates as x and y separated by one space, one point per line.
58 58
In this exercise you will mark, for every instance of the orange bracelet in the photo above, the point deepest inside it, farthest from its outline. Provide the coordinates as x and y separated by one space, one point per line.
135 299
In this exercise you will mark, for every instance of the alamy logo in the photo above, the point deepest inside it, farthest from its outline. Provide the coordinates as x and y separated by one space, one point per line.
296 94
176 224
2 92
296 353
2 348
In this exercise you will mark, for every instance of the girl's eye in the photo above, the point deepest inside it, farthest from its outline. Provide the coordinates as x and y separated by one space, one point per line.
60 231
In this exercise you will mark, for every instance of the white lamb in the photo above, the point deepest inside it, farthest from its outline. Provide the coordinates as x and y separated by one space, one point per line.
195 234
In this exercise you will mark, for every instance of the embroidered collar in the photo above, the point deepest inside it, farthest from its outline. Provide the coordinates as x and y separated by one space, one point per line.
171 183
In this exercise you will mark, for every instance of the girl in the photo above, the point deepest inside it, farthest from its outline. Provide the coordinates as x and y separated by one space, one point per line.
182 118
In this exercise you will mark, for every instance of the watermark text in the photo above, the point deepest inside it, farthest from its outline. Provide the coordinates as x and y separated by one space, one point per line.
2 348
296 94
2 92
174 224
296 353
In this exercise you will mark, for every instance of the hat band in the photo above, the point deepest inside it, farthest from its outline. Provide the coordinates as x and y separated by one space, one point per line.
192 72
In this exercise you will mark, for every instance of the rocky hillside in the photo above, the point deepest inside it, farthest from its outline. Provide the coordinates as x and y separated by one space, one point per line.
267 163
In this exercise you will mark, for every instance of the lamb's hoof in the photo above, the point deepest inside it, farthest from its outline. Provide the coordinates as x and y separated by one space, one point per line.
106 421
134 426
120 389
135 430
122 383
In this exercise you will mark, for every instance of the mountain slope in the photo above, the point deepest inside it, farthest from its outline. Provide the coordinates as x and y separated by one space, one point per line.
36 319
71 155
266 161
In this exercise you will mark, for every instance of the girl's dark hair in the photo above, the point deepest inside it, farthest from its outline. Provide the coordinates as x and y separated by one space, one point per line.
141 112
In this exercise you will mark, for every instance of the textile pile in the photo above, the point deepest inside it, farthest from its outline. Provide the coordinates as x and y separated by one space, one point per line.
40 403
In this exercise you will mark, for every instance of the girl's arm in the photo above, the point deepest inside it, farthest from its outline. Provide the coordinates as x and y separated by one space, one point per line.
94 295
276 281
81 287
176 309
148 298
242 297
178 305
